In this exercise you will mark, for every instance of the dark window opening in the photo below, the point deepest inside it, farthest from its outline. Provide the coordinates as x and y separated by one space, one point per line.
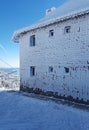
79 29
32 40
51 33
50 69
67 29
66 70
32 71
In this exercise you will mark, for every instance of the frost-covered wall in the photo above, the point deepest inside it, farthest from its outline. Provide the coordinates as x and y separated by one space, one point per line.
66 53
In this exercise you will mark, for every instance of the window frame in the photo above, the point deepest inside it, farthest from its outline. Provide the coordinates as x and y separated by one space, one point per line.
51 33
67 29
67 70
50 69
32 71
32 40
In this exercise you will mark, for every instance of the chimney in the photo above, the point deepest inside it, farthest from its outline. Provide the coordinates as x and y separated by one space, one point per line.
48 11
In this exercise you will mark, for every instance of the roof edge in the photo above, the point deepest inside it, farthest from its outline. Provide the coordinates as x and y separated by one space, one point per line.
17 34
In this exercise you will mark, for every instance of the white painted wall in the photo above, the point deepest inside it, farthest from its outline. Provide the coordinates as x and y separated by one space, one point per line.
62 50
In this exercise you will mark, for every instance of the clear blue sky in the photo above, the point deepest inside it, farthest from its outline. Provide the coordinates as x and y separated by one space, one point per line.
15 14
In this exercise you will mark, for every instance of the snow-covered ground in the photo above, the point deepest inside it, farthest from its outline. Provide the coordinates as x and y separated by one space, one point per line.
20 112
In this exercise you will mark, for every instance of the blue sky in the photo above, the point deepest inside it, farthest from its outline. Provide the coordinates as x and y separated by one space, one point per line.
16 14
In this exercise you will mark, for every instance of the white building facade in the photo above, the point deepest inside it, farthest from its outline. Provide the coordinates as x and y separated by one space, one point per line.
54 57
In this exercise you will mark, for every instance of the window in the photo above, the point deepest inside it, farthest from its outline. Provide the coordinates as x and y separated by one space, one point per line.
67 29
66 70
32 40
51 33
50 69
32 71
79 29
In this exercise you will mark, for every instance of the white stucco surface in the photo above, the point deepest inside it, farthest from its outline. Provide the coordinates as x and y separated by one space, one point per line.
69 50
63 50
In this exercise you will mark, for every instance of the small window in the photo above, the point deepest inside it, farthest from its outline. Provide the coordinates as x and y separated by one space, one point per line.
67 29
51 33
79 29
32 71
50 69
66 70
32 40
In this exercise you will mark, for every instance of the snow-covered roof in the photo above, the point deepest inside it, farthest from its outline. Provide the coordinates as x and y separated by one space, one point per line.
68 10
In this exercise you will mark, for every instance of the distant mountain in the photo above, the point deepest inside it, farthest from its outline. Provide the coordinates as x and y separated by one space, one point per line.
14 71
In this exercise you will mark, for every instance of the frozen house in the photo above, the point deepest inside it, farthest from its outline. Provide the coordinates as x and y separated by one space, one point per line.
54 53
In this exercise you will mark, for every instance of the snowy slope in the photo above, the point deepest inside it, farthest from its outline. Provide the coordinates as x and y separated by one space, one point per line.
67 10
18 112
